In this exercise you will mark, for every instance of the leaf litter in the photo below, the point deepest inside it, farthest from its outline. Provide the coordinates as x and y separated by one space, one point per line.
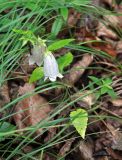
102 135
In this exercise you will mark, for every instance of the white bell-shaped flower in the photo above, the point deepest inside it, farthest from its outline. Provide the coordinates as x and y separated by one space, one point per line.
51 70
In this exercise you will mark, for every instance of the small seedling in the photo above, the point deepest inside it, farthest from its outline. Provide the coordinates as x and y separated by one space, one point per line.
104 86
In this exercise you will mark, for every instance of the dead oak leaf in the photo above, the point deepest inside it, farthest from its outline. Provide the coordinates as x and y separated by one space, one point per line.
31 110
106 48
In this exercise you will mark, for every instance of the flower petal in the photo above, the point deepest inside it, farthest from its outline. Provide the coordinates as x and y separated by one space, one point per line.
51 67
60 75
38 54
53 79
31 60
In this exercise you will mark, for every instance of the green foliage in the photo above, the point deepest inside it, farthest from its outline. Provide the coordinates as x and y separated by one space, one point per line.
31 15
79 119
27 36
65 61
59 44
57 25
36 74
64 13
81 2
4 128
105 87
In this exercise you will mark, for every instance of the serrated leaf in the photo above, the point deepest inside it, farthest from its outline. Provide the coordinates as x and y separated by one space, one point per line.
79 119
64 13
59 44
65 61
57 25
36 74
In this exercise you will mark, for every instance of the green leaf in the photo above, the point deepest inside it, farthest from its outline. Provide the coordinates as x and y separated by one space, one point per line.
36 74
80 2
95 80
26 36
65 61
57 25
91 85
4 128
64 13
79 119
112 94
23 32
107 81
59 44
104 90
97 94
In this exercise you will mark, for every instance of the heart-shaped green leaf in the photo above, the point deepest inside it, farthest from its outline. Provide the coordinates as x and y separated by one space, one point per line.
79 119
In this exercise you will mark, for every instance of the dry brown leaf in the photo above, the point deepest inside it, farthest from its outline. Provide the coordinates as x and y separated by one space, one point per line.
25 67
102 158
85 101
73 17
78 69
103 31
119 47
109 2
106 48
30 110
86 150
47 157
117 102
113 154
112 20
4 95
66 147
118 141
119 11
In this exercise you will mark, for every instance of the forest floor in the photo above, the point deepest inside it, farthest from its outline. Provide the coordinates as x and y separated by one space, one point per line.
36 115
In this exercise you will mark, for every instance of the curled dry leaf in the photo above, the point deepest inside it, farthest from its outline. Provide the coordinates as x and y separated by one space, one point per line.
85 101
31 110
105 32
78 69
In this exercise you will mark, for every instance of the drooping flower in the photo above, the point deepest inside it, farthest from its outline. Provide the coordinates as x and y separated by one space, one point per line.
51 70
37 53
